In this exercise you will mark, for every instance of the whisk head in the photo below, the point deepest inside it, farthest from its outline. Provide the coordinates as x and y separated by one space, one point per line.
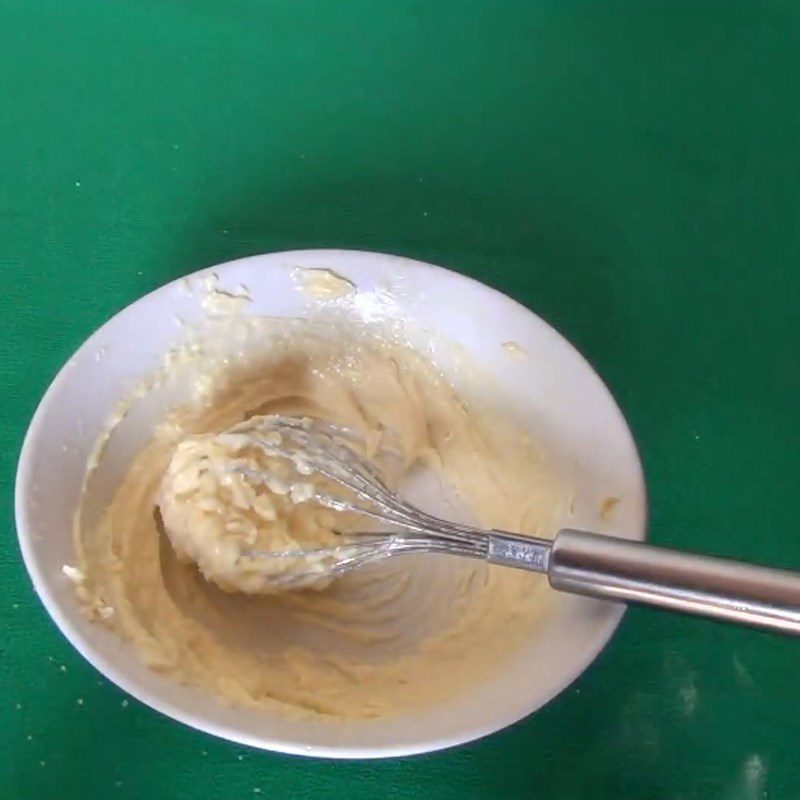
353 484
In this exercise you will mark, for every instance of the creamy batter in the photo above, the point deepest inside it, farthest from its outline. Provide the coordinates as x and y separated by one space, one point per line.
233 505
323 284
408 634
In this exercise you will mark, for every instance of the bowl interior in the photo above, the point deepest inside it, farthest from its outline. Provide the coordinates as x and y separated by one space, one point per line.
541 378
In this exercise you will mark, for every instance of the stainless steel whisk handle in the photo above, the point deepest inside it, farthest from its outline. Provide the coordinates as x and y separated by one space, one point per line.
635 572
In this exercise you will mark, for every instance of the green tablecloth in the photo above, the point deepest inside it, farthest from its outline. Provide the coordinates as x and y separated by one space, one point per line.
630 171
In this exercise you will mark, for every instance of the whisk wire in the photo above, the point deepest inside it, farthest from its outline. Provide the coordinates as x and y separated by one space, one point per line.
329 450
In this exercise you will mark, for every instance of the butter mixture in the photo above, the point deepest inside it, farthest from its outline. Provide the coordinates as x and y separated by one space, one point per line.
409 633
323 284
231 504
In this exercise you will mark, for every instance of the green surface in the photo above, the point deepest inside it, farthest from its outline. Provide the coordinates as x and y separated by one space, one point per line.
629 170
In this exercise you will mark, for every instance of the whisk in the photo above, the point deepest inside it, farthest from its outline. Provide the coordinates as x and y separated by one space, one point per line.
575 561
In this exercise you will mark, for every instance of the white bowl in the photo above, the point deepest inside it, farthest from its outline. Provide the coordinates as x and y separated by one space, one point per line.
553 388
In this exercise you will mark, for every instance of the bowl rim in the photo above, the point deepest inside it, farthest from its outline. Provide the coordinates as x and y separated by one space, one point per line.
53 606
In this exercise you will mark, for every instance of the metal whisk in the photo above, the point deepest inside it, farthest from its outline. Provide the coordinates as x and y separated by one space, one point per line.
575 561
